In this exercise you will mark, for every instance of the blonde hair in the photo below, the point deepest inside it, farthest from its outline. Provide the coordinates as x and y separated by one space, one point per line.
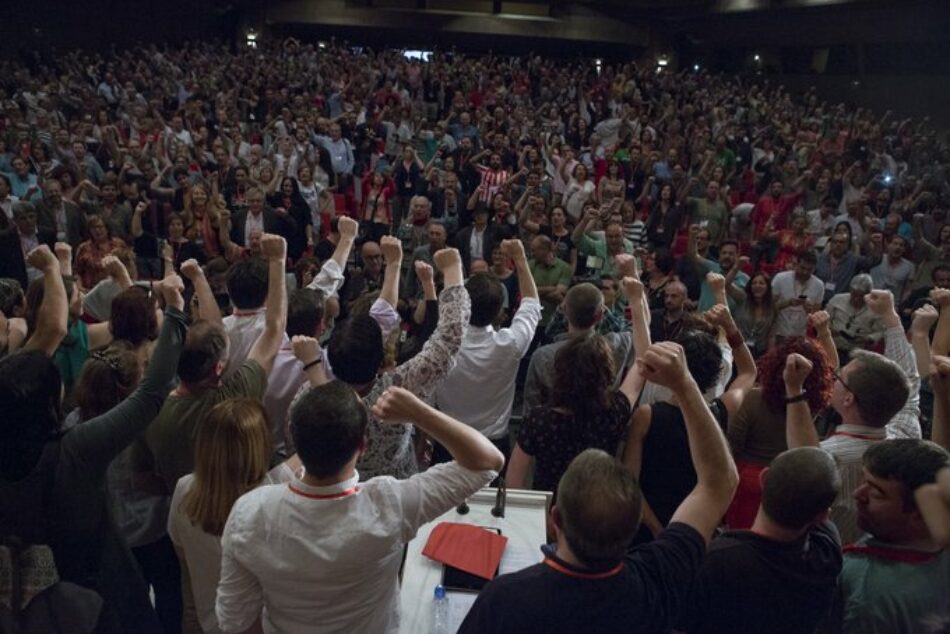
232 456
211 207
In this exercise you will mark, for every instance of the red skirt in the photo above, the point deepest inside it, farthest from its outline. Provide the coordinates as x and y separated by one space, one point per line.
745 504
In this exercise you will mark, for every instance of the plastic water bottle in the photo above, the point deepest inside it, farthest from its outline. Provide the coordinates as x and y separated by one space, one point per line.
440 612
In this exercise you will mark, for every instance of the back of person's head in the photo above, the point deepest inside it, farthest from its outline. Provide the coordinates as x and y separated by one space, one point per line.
12 299
247 283
664 260
206 346
133 316
108 376
583 305
356 350
598 508
232 456
799 487
808 257
328 424
583 374
910 461
879 386
305 309
703 356
487 298
31 403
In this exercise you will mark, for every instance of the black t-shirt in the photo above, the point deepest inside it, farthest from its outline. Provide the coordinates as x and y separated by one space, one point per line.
644 595
750 583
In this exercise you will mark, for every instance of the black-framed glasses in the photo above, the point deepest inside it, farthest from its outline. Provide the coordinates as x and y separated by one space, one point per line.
837 374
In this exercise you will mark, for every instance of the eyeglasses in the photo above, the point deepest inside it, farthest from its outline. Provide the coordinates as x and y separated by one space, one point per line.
837 374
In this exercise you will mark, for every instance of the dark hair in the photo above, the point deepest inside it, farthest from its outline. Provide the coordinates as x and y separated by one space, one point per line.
663 259
206 344
808 256
328 424
581 304
938 269
247 283
728 242
911 461
305 308
703 356
133 316
767 297
356 350
879 386
799 485
599 508
487 298
584 370
31 402
302 266
11 296
108 376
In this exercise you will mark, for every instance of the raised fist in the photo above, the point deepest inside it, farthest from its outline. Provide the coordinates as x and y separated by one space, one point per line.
273 247
797 369
347 227
445 258
391 248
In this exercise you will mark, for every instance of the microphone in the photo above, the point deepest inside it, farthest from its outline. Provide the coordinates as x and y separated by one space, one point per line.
462 509
501 497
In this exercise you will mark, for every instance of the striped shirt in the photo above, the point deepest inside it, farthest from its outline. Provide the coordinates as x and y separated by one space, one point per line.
849 442
492 182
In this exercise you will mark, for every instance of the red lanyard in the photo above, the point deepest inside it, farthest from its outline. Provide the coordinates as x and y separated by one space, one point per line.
332 496
583 575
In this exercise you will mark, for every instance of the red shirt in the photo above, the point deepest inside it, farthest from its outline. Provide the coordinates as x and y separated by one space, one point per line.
769 207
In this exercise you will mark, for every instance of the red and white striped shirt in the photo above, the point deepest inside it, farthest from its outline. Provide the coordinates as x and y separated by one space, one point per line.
492 182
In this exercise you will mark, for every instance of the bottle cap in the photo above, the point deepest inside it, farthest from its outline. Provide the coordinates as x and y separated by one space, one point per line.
440 592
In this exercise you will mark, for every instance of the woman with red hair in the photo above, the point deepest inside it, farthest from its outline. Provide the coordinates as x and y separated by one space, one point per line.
757 435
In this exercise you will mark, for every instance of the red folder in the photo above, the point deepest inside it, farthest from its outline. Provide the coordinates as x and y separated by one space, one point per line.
469 548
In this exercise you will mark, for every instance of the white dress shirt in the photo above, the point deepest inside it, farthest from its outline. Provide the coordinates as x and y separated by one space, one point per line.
203 550
475 248
480 389
326 559
252 224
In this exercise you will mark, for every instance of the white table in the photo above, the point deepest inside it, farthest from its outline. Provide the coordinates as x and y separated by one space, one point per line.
523 525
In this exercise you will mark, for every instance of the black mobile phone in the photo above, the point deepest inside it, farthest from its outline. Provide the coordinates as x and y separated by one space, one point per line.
459 580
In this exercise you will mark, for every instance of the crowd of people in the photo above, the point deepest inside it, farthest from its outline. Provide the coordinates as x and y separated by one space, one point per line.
266 312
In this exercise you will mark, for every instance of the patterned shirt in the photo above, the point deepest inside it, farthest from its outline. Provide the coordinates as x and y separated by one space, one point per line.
389 450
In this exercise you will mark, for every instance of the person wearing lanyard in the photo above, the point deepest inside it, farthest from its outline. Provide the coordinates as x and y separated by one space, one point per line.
589 581
853 324
877 397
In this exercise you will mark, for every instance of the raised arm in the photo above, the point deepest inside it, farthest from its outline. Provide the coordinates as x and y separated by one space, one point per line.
207 304
716 476
906 423
423 372
308 352
99 440
391 247
264 350
51 321
821 322
799 429
330 277
924 319
137 229
941 342
720 316
469 448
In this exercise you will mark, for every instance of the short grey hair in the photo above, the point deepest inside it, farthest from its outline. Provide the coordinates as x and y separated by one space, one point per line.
862 282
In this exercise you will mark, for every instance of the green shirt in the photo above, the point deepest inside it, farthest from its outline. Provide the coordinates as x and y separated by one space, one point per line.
558 273
168 446
598 248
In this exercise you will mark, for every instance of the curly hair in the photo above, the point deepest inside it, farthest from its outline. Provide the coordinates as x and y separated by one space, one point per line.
818 384
583 375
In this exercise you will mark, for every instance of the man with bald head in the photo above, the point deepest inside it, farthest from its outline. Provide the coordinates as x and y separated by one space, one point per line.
583 306
369 278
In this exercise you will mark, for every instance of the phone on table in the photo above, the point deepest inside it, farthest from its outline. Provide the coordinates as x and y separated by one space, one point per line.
461 581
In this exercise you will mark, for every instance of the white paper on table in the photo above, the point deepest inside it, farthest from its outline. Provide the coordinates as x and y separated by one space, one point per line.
514 559
459 605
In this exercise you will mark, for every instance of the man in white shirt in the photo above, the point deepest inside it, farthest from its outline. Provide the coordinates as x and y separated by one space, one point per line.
323 552
853 324
797 293
480 388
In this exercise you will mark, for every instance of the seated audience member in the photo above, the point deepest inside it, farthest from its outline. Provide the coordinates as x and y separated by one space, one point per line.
356 355
853 324
589 582
368 278
480 389
90 254
896 578
87 549
838 265
797 293
584 308
781 574
877 397
326 548
167 448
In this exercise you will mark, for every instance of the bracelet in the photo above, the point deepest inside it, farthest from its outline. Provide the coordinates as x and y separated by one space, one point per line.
796 399
307 366
734 339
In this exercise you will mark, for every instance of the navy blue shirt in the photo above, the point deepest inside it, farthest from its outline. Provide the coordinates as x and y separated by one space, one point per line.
644 593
